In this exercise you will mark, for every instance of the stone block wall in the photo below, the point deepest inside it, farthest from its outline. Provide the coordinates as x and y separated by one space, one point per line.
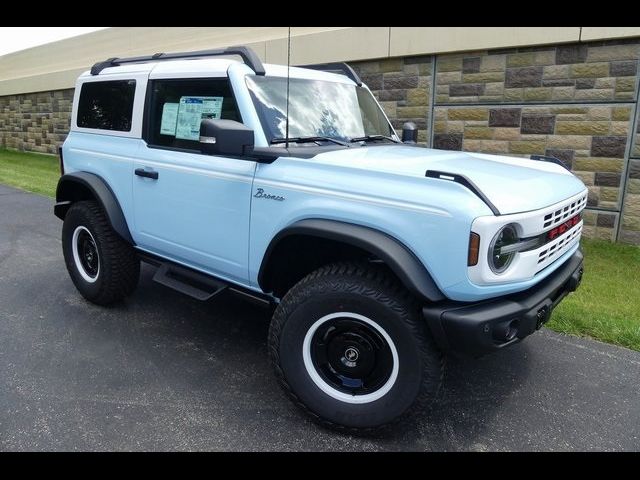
574 102
403 88
35 122
568 73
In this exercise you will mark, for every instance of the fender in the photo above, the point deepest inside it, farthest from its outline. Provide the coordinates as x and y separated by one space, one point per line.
409 269
71 188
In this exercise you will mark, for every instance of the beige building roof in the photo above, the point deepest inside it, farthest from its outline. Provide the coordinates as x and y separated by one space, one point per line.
57 65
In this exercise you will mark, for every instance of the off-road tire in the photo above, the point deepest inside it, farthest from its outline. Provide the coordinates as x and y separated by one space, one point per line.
367 290
119 266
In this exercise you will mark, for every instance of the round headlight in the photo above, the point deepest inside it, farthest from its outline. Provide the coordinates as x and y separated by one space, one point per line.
499 262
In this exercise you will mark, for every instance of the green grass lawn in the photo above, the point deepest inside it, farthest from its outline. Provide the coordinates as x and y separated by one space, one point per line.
33 172
606 306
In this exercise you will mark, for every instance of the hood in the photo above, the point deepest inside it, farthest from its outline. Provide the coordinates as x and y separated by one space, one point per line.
511 184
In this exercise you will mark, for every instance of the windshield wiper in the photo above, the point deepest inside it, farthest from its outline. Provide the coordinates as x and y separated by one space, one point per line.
372 138
308 139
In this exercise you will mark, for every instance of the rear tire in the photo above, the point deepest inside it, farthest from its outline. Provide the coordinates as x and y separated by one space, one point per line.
103 267
350 348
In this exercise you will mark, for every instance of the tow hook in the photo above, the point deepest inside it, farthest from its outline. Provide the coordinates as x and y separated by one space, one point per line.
542 316
575 280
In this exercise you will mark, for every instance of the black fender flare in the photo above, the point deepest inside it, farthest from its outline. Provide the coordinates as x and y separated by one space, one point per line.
67 194
407 267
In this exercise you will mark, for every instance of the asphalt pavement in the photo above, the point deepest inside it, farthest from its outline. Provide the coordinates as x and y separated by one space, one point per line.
164 372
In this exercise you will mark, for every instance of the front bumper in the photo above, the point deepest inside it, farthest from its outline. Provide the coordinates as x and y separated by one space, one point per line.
479 328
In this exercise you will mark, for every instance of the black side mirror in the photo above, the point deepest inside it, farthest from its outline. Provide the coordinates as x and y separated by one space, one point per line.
409 133
225 137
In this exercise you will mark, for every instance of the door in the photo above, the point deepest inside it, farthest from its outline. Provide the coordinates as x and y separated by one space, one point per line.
189 207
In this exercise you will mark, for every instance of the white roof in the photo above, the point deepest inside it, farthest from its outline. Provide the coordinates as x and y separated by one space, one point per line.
203 67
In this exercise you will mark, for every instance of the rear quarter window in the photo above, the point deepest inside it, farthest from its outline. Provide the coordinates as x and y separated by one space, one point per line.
106 105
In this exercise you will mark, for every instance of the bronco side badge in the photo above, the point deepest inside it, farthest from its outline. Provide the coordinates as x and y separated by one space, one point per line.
260 194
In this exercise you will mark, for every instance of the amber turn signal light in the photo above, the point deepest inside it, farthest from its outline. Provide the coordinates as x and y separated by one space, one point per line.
474 249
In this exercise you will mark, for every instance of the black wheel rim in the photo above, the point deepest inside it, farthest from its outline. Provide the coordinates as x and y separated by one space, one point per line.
88 253
351 356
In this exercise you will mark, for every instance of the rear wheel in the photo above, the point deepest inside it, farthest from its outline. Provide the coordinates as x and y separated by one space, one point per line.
350 348
103 267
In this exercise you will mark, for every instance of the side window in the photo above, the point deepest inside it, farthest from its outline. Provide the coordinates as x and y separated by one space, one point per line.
177 106
106 105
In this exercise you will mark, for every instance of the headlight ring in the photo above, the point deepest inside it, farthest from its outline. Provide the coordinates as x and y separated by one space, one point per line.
499 261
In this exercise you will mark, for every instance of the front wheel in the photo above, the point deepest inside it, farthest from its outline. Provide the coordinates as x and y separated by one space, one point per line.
350 348
103 267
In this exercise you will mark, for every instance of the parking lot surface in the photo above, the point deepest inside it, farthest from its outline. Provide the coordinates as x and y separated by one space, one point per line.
165 372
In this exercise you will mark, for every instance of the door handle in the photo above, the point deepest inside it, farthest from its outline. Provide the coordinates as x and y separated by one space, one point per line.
141 172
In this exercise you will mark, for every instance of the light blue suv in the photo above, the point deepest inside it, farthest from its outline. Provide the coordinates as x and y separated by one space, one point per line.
291 187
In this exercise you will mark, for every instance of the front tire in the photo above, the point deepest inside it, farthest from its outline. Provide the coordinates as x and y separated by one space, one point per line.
103 267
350 348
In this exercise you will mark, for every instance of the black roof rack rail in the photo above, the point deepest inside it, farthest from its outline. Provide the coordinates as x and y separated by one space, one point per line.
337 67
248 56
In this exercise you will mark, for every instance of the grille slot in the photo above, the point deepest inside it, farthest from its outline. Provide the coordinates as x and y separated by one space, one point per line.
562 213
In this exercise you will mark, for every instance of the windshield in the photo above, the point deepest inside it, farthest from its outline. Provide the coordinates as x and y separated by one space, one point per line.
317 108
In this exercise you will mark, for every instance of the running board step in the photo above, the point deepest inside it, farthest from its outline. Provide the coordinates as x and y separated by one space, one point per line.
189 282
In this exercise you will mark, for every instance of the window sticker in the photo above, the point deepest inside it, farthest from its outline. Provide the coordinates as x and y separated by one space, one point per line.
191 111
169 119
